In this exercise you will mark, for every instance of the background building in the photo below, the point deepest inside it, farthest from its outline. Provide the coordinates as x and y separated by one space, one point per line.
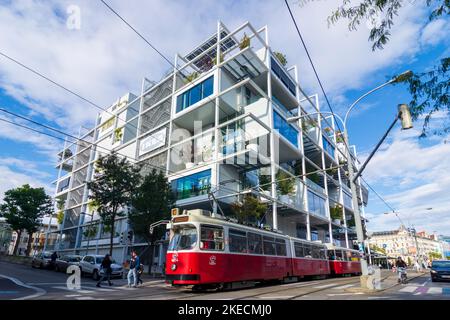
219 124
408 244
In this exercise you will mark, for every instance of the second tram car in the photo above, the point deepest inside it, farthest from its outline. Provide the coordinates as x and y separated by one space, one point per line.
211 252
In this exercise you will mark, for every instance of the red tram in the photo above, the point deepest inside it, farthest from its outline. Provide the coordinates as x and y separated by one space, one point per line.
209 252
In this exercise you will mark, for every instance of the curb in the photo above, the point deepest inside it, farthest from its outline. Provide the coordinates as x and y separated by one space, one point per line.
25 262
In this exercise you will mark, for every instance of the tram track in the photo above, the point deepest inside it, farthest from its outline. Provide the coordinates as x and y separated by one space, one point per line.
340 282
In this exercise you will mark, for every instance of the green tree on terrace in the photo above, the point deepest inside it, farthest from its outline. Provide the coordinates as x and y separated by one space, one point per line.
151 202
251 209
23 209
114 182
429 88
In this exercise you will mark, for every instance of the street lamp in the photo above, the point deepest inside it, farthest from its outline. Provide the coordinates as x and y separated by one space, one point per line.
406 124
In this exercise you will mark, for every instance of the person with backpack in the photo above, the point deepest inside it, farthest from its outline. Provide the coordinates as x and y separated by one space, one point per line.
139 273
134 267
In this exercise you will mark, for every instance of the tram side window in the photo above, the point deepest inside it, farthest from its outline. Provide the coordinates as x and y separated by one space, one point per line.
339 255
298 247
323 253
355 256
211 238
307 249
280 245
316 252
331 255
348 256
237 241
269 246
254 243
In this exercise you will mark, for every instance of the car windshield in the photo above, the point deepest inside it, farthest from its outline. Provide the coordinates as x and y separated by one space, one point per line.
441 264
184 238
74 259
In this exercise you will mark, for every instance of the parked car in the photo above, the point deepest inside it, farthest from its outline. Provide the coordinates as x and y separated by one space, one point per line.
65 261
90 265
440 270
42 260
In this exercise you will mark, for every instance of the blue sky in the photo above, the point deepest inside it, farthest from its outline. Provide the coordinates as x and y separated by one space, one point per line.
103 60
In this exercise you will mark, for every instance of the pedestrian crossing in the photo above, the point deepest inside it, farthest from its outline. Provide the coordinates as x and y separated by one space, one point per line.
86 292
422 290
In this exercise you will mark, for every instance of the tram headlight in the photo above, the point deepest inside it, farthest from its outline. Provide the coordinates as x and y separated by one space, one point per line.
173 267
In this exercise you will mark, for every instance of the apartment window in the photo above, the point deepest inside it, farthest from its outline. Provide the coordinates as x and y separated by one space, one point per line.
348 201
193 185
316 204
108 124
195 94
285 129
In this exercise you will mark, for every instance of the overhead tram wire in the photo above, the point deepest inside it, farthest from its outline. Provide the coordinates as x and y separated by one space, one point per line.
311 62
321 86
376 193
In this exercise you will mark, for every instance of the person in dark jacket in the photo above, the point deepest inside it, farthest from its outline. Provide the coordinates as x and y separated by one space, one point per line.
53 258
107 270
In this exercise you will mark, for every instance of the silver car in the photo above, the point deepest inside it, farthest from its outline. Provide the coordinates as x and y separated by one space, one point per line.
42 260
91 265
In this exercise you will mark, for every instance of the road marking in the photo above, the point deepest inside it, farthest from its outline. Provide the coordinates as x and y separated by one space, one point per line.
446 291
379 297
344 287
39 291
74 290
425 283
421 290
85 298
275 297
344 294
72 295
435 290
409 289
125 288
45 283
325 286
104 289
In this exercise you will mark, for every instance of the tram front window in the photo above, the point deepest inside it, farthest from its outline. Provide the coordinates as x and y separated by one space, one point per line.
184 238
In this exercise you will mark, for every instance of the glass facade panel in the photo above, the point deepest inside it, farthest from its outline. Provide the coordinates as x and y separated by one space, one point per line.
348 201
283 76
195 94
316 204
328 147
285 129
194 185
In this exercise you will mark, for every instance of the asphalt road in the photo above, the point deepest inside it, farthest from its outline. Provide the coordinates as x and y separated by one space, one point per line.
23 282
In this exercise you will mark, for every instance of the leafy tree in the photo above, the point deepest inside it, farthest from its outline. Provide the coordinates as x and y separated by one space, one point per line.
376 248
434 255
150 203
114 182
23 209
429 89
250 209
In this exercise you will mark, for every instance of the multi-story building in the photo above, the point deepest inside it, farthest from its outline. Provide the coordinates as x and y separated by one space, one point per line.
407 243
445 242
217 124
38 238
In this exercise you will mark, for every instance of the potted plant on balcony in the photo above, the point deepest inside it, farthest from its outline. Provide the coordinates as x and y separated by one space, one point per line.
265 182
285 185
245 42
314 177
336 213
281 58
191 77
118 134
249 210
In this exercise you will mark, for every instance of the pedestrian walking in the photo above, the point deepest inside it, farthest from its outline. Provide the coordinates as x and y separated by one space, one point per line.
53 258
134 266
107 270
139 274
